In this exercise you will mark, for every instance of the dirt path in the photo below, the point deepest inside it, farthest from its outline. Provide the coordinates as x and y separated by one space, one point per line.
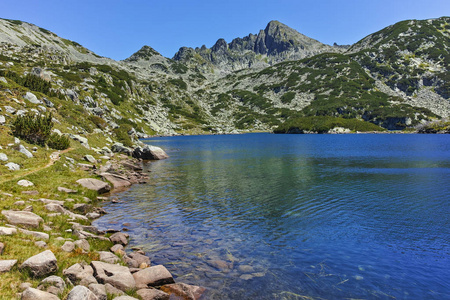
54 157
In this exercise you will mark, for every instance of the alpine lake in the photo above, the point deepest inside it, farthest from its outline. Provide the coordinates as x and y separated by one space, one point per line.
265 216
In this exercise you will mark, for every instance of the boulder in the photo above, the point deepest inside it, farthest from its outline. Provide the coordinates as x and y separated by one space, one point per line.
35 294
31 98
40 244
41 264
90 159
183 290
25 151
116 180
149 153
24 218
139 258
66 190
120 148
116 275
2 247
25 183
108 257
113 291
7 231
3 157
83 244
68 246
118 249
53 207
13 166
153 276
2 120
94 185
6 265
52 284
125 298
81 293
99 290
152 294
48 103
36 234
82 207
78 273
119 238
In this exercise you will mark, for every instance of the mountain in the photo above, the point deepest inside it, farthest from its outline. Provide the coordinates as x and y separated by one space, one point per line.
274 44
395 79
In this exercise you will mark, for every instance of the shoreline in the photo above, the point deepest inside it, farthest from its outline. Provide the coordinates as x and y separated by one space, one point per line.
65 243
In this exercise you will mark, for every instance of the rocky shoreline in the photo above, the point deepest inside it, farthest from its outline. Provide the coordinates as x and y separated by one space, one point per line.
112 273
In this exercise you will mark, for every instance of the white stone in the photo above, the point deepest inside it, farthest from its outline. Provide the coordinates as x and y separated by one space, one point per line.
25 151
12 166
31 98
3 157
25 183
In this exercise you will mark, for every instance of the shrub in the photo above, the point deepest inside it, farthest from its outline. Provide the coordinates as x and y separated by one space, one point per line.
35 129
122 135
58 142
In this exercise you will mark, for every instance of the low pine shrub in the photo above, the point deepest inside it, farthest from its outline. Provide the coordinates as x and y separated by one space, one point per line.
58 142
35 129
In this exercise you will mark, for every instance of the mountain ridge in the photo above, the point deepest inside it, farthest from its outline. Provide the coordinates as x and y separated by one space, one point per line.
397 82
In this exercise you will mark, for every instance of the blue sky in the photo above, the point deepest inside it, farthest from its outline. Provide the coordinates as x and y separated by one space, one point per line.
118 28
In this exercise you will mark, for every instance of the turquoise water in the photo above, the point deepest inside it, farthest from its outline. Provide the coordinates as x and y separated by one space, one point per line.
262 216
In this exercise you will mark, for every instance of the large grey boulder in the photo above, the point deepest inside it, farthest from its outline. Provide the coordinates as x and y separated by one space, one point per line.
31 98
152 294
95 185
35 294
41 264
6 265
116 180
25 151
184 291
78 273
149 153
24 218
116 275
153 276
81 293
13 166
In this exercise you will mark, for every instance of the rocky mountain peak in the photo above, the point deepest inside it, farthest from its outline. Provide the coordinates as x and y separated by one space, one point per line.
145 53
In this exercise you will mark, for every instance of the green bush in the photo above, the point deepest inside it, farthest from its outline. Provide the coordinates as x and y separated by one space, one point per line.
35 129
58 142
122 135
